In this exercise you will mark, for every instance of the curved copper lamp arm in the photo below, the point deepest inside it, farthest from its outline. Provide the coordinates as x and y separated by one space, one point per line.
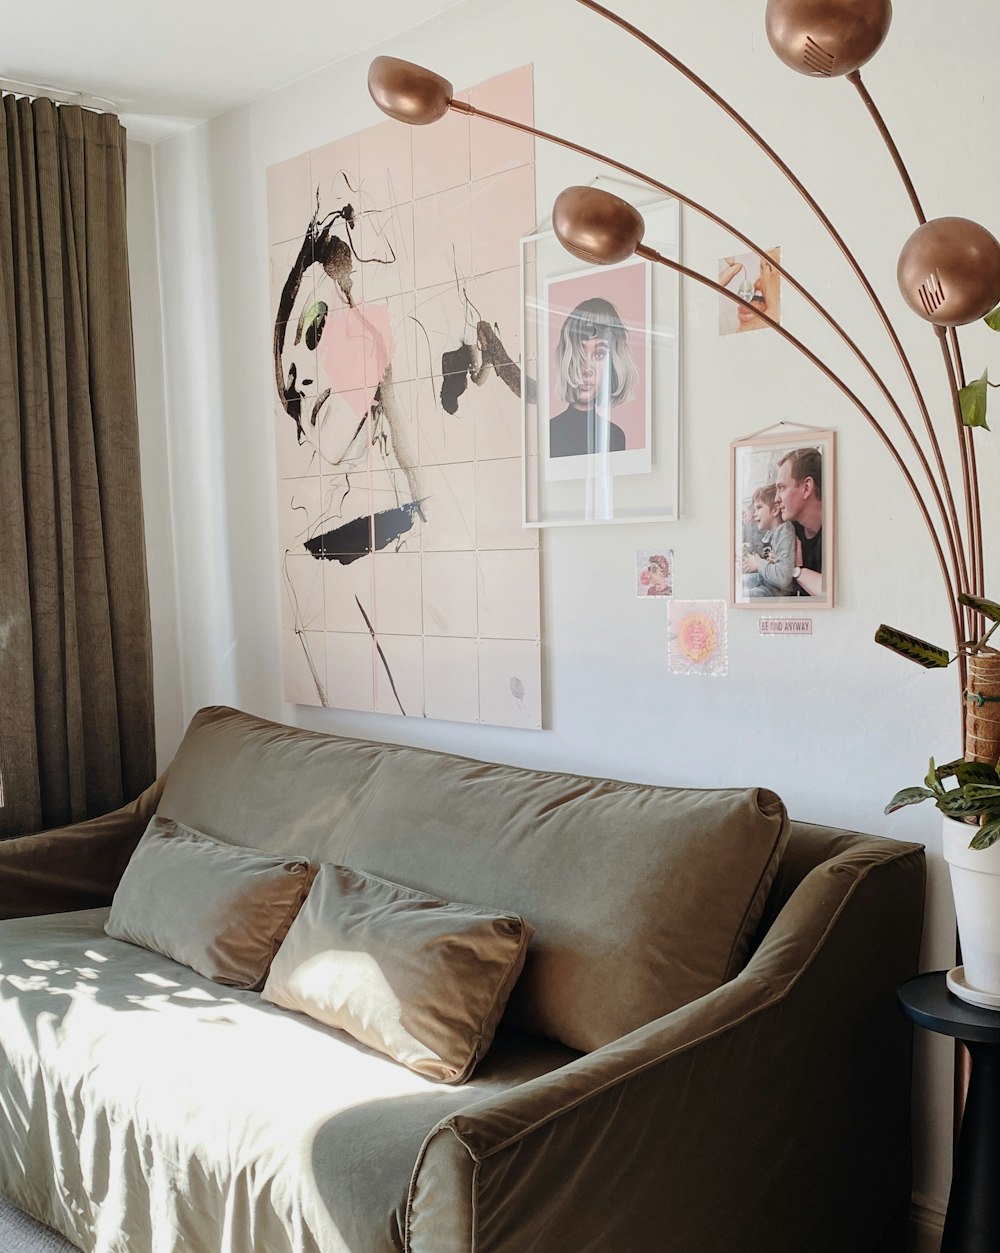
953 367
953 578
953 336
806 195
650 254
976 511
970 482
970 473
970 478
854 78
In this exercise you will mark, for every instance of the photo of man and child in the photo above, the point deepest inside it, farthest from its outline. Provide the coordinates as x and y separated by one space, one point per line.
779 517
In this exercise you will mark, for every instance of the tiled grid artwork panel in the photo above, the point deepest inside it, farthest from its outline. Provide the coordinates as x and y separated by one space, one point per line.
409 586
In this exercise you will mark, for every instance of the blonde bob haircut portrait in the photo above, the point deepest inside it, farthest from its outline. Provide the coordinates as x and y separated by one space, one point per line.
595 319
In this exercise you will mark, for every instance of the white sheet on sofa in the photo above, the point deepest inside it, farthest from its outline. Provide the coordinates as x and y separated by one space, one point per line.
131 1087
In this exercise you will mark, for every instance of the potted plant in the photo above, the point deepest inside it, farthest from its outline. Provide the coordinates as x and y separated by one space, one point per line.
974 864
973 799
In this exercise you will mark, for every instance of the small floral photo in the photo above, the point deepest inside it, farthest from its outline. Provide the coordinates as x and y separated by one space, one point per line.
654 573
697 637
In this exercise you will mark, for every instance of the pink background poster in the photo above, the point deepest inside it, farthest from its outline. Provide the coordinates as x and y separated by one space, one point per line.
409 586
627 288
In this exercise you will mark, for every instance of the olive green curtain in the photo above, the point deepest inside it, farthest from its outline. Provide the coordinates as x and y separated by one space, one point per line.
76 703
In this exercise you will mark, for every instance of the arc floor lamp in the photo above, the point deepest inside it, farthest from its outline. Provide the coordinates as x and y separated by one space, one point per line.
948 272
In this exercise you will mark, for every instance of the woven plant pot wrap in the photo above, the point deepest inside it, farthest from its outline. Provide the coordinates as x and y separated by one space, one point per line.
982 709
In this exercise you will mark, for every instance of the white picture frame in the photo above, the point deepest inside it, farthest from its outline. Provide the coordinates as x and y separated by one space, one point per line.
638 481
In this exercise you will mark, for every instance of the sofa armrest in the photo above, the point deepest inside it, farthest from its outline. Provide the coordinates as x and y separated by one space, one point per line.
772 1114
74 867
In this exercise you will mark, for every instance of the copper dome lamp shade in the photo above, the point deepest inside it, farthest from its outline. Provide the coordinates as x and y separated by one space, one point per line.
949 270
596 227
827 38
408 92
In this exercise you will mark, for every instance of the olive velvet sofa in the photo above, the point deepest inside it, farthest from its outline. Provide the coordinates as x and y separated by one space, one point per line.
146 1109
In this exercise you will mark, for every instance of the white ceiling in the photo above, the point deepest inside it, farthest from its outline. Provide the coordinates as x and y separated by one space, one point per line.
168 65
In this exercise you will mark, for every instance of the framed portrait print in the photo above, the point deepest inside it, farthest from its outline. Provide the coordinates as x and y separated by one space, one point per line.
782 520
597 333
600 400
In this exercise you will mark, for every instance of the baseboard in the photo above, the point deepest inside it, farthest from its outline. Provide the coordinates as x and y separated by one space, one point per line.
926 1227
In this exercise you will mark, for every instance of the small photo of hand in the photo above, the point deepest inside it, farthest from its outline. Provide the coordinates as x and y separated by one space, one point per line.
757 283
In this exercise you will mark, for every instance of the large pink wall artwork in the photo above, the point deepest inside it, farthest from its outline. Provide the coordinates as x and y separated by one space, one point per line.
409 586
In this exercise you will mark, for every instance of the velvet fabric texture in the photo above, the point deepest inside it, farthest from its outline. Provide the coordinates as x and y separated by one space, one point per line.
76 714
642 898
220 910
772 1114
422 980
146 1109
75 867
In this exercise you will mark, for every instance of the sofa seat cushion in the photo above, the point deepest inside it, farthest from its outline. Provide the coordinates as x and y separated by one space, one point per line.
131 1086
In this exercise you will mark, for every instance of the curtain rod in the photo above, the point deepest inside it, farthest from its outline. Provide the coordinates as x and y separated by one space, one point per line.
59 95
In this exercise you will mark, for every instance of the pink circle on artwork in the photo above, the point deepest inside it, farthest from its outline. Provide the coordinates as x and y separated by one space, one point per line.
355 351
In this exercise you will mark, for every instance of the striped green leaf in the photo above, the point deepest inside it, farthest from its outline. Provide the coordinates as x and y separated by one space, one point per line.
982 794
910 646
908 796
958 806
976 796
986 836
968 772
988 608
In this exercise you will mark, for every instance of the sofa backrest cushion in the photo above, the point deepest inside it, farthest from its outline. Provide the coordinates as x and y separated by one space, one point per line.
642 898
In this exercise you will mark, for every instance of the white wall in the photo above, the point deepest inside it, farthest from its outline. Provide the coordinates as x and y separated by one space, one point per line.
833 723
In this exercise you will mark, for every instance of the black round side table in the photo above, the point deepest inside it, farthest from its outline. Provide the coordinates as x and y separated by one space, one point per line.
972 1224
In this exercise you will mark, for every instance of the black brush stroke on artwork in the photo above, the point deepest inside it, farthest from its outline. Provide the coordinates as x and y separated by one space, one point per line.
320 245
459 366
385 663
358 538
292 399
456 366
496 355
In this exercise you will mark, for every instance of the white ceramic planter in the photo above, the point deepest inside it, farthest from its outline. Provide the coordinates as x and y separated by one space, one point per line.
975 884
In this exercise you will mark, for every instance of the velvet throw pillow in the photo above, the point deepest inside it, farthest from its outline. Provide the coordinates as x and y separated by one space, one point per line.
422 980
219 909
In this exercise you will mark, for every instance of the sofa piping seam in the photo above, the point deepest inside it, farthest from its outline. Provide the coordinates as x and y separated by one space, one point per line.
474 1202
411 1190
